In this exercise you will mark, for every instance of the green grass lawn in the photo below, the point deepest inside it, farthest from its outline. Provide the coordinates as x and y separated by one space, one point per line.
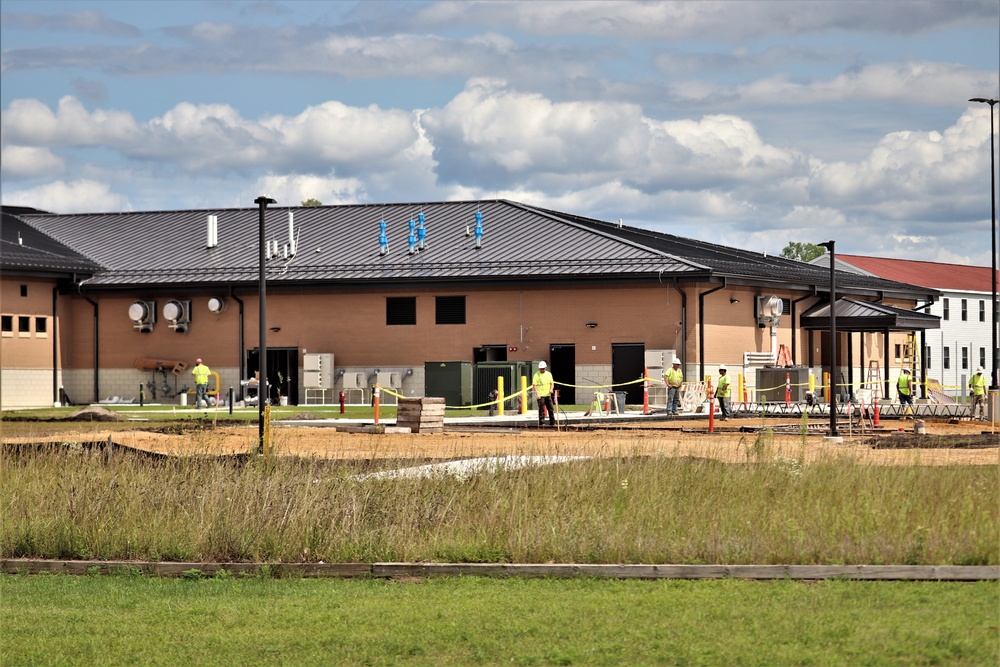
116 620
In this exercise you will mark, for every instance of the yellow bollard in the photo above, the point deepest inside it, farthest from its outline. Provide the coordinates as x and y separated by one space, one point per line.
812 383
500 395
826 386
524 395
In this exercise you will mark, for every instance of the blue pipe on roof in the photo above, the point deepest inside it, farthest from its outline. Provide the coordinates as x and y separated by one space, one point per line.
421 231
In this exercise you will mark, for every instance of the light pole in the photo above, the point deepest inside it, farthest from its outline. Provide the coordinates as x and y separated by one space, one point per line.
262 392
993 248
829 245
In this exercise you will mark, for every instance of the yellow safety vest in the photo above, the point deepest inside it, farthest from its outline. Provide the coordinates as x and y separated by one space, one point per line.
201 373
723 390
542 382
903 384
675 377
978 384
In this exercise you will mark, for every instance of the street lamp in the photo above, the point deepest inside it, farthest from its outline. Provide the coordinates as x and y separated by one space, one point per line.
262 392
829 245
993 248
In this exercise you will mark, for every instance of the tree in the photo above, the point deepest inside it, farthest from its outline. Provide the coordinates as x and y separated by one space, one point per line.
803 252
312 202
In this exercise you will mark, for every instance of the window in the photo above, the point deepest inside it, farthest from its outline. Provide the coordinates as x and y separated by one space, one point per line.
965 357
982 357
7 325
23 325
24 290
944 309
982 310
400 310
965 310
899 351
41 327
927 357
449 310
946 357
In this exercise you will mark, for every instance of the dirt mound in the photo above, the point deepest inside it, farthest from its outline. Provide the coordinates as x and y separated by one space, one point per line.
305 416
94 413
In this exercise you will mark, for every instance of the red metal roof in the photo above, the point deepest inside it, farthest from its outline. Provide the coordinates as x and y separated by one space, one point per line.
956 277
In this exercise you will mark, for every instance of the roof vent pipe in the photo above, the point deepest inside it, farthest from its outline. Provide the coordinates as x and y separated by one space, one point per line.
383 239
291 235
411 238
421 231
212 239
479 229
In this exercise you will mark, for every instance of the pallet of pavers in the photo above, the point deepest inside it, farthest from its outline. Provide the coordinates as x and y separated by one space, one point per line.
421 415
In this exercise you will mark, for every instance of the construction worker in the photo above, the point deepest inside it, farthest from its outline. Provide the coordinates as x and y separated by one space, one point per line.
201 373
978 386
904 387
722 392
544 384
674 378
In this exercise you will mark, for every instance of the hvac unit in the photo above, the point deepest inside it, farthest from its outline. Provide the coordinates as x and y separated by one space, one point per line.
143 315
177 314
353 381
383 379
396 380
317 370
660 360
768 310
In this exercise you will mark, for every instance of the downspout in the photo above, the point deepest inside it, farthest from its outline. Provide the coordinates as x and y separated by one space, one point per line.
97 348
56 398
240 354
701 327
684 332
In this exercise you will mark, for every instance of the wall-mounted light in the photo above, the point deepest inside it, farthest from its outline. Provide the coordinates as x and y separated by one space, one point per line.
275 329
734 301
591 325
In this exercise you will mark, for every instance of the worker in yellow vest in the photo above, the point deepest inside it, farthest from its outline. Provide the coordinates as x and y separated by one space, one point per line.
544 386
722 393
674 378
904 387
201 373
978 386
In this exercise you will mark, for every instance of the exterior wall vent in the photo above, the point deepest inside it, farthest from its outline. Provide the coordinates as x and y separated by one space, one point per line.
178 315
143 315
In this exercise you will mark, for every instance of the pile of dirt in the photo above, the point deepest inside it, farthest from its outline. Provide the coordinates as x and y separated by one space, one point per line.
905 440
94 413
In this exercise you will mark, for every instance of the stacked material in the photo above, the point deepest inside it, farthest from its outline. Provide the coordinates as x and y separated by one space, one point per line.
421 415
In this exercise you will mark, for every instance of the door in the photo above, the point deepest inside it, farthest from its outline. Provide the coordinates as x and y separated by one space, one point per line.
282 372
563 360
628 362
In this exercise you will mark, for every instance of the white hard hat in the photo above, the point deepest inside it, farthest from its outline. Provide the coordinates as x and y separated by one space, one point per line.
198 361
979 370
542 364
676 360
906 370
722 367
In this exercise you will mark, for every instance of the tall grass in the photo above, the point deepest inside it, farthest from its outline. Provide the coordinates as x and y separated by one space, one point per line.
77 504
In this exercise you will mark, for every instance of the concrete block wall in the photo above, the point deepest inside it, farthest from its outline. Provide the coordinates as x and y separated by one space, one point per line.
25 388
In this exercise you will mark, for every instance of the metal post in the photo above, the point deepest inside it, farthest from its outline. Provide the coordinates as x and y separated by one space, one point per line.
829 245
993 247
262 392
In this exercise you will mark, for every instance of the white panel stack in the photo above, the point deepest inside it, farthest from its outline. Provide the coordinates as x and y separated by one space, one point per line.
384 380
659 360
317 370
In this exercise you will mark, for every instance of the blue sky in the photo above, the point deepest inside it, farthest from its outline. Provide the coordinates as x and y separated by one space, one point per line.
746 123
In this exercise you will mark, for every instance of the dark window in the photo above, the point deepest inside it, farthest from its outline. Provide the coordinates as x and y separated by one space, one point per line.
982 310
946 357
899 351
982 357
944 309
965 310
24 290
449 310
40 325
400 310
965 357
927 357
8 323
23 324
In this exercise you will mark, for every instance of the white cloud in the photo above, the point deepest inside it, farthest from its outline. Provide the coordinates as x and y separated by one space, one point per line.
73 197
27 161
291 190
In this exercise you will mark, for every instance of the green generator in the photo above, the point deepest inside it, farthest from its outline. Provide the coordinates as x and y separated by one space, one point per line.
450 380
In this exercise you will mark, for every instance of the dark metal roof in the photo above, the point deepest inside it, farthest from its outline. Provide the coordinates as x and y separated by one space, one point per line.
855 315
340 245
24 250
745 265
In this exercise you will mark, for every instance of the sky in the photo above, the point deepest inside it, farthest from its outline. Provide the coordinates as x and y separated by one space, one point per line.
748 123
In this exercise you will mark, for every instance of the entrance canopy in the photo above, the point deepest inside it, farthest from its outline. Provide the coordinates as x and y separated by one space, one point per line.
855 315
